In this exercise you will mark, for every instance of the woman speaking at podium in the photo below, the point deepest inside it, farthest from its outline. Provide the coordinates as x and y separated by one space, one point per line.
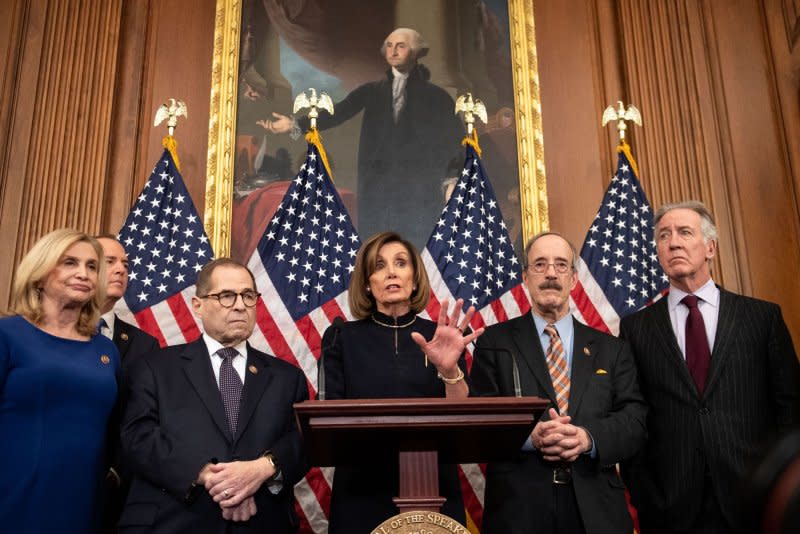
391 352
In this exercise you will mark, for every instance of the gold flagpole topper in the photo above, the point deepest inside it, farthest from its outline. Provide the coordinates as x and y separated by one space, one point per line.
171 111
470 107
620 114
314 102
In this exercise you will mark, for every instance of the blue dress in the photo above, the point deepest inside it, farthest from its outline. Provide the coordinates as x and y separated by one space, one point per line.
56 396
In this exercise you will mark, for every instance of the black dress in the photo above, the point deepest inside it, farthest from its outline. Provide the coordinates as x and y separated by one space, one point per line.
368 360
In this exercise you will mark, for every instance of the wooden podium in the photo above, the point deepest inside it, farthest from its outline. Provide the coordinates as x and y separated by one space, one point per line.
423 432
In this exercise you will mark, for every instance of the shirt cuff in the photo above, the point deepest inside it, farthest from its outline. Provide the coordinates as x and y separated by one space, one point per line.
593 451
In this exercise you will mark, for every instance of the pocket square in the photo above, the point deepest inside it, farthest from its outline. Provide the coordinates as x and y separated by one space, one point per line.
601 372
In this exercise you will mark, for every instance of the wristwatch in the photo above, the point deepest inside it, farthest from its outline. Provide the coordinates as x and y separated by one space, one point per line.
271 459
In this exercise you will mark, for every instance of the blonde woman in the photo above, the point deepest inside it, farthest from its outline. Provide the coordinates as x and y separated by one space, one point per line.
57 388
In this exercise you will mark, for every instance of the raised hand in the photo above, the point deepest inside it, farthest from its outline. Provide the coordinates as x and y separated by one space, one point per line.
449 341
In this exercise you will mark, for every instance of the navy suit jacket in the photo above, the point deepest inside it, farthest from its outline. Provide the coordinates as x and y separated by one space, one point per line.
604 398
751 395
132 343
174 423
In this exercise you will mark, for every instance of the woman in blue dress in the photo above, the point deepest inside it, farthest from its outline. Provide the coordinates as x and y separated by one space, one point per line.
57 388
391 352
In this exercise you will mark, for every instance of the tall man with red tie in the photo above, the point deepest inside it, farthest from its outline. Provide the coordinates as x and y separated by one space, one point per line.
563 480
720 376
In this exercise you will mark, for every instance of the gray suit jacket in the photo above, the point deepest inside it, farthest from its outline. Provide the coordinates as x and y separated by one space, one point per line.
604 398
750 396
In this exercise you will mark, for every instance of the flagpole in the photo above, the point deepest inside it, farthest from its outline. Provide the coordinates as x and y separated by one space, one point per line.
171 110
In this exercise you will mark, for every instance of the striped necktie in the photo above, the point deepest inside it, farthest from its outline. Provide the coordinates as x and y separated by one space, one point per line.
557 365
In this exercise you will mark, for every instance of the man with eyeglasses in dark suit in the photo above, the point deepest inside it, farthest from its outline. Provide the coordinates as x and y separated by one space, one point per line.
563 480
209 428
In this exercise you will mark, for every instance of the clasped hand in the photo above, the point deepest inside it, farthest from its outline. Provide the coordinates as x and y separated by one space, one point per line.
233 485
559 440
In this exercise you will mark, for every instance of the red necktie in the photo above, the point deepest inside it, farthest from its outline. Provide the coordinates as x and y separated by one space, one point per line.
698 355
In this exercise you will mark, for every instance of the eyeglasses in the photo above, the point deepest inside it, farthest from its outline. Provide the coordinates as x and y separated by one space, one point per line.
228 298
540 266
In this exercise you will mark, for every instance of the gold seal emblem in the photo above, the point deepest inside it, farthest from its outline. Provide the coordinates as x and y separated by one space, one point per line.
105 359
253 369
124 336
420 522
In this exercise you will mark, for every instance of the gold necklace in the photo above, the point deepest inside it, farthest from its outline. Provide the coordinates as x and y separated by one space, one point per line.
395 326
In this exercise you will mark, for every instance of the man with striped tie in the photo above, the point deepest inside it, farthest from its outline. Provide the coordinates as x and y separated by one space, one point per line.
563 480
209 428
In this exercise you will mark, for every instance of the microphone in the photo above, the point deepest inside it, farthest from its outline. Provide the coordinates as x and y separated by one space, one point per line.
337 324
514 368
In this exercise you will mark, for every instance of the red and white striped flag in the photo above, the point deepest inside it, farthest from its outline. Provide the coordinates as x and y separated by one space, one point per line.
470 256
167 246
302 267
618 269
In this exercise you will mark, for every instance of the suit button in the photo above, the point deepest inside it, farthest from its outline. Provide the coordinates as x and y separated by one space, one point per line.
703 411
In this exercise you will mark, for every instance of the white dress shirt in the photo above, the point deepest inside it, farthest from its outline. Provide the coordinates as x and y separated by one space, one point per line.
110 318
239 362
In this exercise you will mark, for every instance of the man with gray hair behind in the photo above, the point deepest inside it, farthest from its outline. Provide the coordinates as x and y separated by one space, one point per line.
409 134
720 376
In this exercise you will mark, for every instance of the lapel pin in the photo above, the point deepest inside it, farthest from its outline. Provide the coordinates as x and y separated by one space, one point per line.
253 369
586 351
105 359
124 336
601 372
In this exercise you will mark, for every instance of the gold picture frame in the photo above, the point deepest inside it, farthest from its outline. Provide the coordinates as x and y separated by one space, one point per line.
223 115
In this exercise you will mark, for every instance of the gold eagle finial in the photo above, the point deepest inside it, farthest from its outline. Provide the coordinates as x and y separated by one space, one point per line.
171 111
621 115
471 107
314 102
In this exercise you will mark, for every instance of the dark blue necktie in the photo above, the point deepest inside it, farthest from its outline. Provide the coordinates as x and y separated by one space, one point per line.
230 386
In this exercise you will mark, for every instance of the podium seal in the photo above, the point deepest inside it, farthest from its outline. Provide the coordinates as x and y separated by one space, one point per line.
420 522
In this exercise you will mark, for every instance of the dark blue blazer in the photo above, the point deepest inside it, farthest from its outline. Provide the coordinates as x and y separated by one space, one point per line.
174 423
751 395
604 398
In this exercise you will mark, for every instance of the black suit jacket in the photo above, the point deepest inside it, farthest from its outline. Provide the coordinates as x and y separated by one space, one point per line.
174 424
604 398
751 394
132 343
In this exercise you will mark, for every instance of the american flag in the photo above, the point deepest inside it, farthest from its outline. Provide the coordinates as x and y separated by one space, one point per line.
302 267
618 270
166 245
470 256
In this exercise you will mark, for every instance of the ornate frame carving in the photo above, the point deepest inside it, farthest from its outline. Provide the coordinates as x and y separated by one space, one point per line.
222 121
